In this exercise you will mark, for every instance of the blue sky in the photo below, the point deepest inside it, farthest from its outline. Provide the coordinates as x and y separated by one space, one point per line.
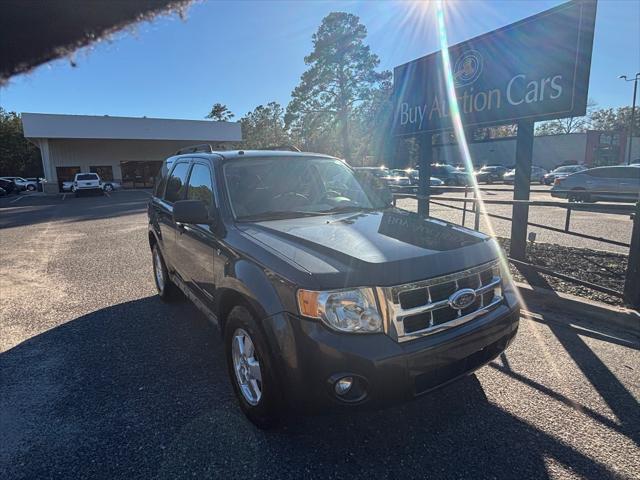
247 53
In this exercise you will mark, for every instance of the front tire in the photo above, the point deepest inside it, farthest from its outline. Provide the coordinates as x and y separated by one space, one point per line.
250 369
31 188
108 187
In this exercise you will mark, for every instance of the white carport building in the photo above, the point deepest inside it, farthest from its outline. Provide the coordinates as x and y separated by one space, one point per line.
124 149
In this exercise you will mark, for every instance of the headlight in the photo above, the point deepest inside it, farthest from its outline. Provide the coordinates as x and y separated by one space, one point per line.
353 311
509 290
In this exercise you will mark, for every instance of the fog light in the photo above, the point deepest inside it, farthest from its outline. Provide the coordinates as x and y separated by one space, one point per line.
343 385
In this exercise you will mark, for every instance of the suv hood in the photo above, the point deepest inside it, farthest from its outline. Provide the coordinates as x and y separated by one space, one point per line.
380 248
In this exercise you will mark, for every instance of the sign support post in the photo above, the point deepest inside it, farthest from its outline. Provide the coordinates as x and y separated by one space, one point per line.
424 183
521 189
632 280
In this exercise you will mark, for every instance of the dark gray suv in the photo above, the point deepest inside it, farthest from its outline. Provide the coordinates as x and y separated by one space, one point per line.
325 295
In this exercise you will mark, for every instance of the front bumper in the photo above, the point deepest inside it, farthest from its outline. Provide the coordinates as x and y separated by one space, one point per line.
310 356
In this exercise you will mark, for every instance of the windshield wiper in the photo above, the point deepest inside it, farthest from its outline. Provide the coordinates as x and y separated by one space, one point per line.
276 215
349 208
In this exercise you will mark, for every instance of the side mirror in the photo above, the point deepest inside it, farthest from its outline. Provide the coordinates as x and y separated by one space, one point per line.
191 211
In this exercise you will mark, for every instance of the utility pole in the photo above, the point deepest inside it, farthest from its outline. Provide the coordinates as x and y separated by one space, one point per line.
633 112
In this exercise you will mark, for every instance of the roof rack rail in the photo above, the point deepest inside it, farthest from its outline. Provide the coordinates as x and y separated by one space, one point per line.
289 148
203 147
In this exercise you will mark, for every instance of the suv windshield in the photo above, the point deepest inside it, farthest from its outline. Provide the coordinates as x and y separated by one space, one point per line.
277 187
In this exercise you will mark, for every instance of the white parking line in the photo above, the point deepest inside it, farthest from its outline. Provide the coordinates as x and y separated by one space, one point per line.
64 195
107 194
16 199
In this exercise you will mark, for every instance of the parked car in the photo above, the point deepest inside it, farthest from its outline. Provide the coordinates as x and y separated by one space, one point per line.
537 175
449 175
110 185
618 184
9 186
22 184
86 182
67 186
379 172
325 296
3 192
490 173
562 172
397 179
414 175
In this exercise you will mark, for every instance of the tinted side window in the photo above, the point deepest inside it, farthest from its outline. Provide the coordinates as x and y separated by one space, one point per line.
621 172
614 172
200 187
602 172
161 178
177 183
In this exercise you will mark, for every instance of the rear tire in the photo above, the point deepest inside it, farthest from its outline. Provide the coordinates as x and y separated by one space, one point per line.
579 196
167 290
251 372
31 188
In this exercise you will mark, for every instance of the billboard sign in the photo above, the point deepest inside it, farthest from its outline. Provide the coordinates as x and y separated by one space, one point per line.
535 69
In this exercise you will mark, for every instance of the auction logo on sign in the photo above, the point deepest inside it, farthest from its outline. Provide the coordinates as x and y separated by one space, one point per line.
467 68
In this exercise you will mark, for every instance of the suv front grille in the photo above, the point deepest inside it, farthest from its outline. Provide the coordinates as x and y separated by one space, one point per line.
425 307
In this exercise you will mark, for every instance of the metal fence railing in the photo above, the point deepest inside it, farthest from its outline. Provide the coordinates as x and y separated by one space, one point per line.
631 292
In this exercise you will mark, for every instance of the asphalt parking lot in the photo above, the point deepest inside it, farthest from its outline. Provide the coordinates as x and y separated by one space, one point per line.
100 379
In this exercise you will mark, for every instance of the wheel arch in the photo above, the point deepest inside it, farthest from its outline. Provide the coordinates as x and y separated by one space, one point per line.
250 286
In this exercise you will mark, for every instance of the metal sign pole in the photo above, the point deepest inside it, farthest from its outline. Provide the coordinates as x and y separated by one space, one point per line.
632 280
521 189
425 152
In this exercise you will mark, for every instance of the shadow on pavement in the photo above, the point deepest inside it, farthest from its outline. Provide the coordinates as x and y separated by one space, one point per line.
40 209
140 390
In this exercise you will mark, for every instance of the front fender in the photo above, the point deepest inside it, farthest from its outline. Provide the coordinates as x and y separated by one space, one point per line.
266 292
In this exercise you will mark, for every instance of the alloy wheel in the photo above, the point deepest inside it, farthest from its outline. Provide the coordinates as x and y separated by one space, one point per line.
246 367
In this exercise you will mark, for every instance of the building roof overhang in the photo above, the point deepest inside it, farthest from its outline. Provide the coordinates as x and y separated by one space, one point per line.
44 125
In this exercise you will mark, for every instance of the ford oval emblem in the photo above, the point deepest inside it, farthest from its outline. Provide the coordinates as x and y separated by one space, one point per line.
462 298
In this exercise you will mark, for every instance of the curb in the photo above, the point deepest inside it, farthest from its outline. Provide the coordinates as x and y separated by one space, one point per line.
568 308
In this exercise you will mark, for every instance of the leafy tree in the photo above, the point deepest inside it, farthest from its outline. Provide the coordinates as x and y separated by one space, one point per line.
341 75
17 155
567 125
220 113
487 133
615 119
372 126
264 127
